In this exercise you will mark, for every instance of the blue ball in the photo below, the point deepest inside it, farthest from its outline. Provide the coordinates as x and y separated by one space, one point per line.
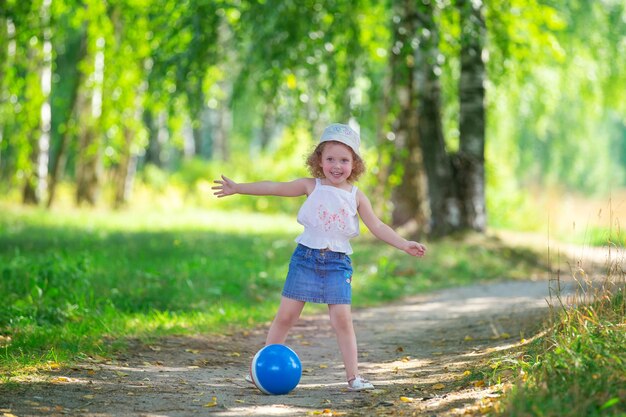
276 369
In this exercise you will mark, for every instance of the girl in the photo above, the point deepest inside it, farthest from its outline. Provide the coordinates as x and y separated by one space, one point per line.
320 270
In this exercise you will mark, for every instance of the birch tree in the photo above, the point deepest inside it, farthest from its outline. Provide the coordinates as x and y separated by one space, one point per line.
470 160
43 156
89 162
23 96
445 213
409 197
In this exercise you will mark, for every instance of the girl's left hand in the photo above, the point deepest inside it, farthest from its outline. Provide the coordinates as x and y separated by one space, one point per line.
415 249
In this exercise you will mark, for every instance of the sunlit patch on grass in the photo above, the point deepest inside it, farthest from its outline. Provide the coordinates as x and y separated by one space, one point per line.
79 282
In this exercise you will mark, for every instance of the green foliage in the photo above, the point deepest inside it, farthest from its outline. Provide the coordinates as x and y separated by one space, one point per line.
604 237
247 71
72 281
559 62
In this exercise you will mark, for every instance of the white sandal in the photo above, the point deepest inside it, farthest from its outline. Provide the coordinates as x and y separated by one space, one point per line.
358 383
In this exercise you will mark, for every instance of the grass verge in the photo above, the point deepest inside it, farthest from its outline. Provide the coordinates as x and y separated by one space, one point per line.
577 366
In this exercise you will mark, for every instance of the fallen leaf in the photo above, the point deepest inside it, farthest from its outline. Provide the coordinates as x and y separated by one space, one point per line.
406 399
194 351
468 338
326 412
213 402
234 354
405 359
467 373
240 401
479 383
439 386
323 366
60 380
88 397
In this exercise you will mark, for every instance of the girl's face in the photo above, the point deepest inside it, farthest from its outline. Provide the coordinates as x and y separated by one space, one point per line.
336 163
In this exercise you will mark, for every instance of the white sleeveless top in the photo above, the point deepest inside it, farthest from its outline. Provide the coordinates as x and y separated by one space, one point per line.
329 216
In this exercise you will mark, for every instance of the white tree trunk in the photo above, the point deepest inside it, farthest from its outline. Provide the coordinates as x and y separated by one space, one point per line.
46 109
89 164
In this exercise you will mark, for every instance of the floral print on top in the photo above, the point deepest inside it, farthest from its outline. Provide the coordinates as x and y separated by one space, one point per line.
333 220
330 219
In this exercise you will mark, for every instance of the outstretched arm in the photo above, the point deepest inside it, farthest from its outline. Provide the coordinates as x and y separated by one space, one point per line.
384 232
294 188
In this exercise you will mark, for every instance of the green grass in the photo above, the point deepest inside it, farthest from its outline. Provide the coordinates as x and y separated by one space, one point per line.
606 237
577 368
81 283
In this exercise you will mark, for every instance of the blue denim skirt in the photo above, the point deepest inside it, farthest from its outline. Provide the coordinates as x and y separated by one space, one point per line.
319 276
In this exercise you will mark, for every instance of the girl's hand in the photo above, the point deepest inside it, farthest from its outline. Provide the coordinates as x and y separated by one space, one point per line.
415 249
226 187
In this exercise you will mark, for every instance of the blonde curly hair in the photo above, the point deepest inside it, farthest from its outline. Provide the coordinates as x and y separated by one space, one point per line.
314 161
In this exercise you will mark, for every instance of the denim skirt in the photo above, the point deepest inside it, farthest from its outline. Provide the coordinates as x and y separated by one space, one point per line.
319 276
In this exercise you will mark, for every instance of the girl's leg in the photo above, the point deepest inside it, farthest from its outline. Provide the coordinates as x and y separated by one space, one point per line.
341 321
287 315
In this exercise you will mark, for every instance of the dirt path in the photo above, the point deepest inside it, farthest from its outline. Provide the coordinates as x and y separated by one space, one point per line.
418 349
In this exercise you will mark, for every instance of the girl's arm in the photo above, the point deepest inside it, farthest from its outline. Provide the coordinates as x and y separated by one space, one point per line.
384 232
294 188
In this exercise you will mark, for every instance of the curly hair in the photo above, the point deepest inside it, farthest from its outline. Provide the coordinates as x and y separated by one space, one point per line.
314 160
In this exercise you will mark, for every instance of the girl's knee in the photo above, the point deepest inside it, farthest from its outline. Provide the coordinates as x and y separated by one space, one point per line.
286 319
288 312
341 321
